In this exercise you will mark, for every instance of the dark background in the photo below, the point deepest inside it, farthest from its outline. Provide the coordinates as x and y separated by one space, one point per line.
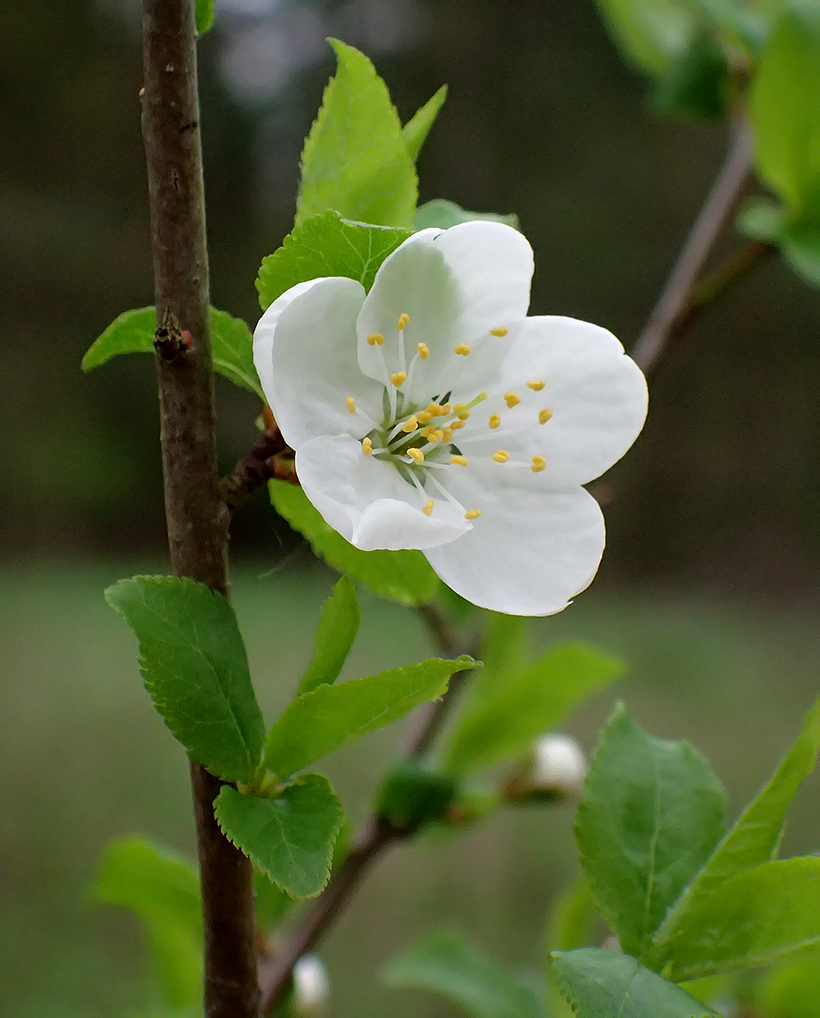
720 493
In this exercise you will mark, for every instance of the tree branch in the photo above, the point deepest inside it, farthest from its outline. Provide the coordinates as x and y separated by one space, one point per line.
682 297
196 515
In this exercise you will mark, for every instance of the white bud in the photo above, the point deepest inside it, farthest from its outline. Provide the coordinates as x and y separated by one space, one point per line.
311 988
558 765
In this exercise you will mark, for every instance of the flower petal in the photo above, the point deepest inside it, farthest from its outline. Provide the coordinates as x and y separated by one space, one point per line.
304 348
367 501
595 395
455 286
529 552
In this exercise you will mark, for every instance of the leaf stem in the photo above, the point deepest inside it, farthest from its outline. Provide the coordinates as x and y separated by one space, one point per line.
375 835
196 515
683 297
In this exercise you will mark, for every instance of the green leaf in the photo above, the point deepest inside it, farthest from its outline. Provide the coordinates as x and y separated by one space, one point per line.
417 128
757 917
321 721
784 111
650 816
205 16
193 661
648 33
272 904
355 159
443 214
403 576
326 245
338 625
413 794
290 837
789 991
697 83
800 246
761 218
448 964
754 838
505 721
505 651
162 888
570 922
133 332
608 984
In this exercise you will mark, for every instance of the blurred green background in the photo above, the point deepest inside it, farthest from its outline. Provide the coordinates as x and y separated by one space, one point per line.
708 587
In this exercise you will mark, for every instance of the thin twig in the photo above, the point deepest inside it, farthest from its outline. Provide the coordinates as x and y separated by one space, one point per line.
676 307
196 515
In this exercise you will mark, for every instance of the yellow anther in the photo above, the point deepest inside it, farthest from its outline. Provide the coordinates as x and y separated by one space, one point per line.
462 350
410 425
472 514
428 507
495 420
426 430
448 434
404 318
424 353
536 386
501 456
459 408
424 416
498 332
511 399
416 455
544 415
443 410
456 425
367 447
435 435
351 405
432 409
465 416
399 378
462 461
375 339
538 464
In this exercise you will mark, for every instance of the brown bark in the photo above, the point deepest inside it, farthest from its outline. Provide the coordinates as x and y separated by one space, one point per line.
197 517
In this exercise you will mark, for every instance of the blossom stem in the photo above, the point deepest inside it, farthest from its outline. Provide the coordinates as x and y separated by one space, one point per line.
683 296
196 513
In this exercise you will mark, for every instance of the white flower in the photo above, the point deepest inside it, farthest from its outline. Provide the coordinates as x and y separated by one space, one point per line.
311 987
432 413
558 765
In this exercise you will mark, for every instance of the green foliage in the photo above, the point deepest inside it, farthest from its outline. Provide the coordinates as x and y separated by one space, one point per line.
289 837
321 721
403 576
696 84
570 924
162 889
193 661
505 650
650 816
448 964
649 33
443 214
789 991
133 332
412 794
338 624
784 111
416 129
507 718
355 160
205 16
326 245
608 984
756 917
272 904
754 838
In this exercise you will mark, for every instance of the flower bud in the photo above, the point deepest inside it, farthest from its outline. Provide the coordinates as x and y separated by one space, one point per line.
558 766
311 988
